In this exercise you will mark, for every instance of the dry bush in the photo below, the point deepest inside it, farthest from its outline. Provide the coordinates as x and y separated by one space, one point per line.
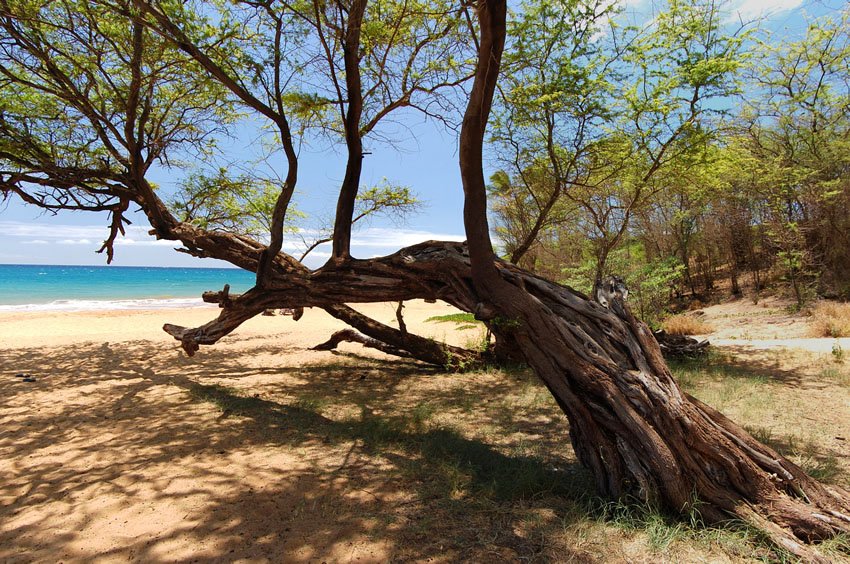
686 325
831 319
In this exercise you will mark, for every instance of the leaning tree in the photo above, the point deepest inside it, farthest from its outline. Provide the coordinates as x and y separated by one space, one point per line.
95 96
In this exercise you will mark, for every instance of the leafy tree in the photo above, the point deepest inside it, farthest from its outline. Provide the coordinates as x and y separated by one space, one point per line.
650 280
240 204
797 131
593 115
631 425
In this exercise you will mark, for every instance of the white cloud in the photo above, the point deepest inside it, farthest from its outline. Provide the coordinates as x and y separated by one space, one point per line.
74 242
753 9
316 254
51 231
60 234
385 239
398 238
39 233
367 242
149 242
738 10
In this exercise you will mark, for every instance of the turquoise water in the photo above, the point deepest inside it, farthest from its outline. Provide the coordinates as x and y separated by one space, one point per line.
25 287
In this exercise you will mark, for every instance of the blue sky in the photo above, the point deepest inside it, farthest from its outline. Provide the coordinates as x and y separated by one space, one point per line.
426 161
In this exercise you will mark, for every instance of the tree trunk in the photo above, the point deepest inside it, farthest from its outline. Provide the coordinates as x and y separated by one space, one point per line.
630 424
353 140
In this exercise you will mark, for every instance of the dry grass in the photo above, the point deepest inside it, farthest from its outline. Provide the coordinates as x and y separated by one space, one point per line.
686 325
831 319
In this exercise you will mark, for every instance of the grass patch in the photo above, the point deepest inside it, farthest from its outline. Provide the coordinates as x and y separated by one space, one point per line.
838 546
464 318
661 529
466 322
824 469
837 375
806 453
666 534
714 368
686 325
311 403
761 434
479 342
831 319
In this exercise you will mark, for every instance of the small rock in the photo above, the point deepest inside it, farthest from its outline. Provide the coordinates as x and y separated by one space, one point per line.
28 379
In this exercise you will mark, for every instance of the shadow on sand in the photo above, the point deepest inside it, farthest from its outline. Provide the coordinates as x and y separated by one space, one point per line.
130 451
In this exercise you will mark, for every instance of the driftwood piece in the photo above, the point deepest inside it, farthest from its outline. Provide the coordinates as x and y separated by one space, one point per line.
680 346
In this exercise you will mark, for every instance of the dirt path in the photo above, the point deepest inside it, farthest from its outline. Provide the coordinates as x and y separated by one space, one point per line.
770 324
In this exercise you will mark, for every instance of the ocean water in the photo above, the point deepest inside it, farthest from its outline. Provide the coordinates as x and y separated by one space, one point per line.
74 288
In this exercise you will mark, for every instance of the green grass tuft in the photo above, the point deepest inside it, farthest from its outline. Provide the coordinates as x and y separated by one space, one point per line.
453 318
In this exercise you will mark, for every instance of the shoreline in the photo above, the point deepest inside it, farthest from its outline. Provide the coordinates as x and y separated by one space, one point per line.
118 304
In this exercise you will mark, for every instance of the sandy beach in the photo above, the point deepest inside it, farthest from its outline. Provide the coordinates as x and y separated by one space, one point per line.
48 328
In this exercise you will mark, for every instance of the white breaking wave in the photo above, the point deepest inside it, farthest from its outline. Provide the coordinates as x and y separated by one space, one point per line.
106 305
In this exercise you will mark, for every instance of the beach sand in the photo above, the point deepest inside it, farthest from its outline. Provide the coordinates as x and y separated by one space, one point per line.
35 329
121 449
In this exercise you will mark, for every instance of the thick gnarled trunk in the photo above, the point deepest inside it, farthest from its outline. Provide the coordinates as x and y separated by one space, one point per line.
629 421
630 424
642 436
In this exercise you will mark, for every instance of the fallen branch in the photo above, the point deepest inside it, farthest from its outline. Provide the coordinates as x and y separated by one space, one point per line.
352 336
678 346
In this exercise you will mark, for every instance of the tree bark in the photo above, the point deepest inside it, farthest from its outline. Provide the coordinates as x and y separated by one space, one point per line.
352 336
630 424
353 139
